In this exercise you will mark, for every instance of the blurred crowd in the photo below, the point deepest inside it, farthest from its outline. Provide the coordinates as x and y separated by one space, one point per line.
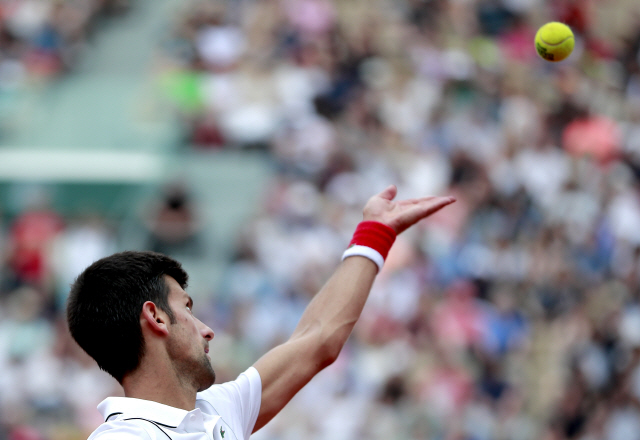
513 314
40 39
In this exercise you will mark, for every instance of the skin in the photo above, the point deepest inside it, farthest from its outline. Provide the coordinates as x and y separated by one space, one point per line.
176 355
174 352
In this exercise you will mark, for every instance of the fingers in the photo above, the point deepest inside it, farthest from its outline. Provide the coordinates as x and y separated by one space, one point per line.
389 192
419 209
434 204
437 203
440 199
401 214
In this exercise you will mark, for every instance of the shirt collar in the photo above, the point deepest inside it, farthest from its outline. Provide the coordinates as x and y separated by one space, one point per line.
130 407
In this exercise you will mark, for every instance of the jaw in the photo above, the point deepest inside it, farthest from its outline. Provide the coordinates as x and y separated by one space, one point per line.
208 376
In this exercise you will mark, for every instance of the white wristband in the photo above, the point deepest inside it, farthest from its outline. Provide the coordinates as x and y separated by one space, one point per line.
364 251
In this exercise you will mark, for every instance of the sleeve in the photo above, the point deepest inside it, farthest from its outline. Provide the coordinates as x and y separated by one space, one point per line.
237 402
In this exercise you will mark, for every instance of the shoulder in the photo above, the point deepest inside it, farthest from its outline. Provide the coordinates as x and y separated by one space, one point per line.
124 430
247 386
237 402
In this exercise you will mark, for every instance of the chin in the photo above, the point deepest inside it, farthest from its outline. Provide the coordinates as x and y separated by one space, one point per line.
208 384
208 376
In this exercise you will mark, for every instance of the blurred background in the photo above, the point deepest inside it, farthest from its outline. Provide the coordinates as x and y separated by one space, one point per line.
243 137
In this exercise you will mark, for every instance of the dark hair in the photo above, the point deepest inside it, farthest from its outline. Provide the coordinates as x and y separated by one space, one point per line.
105 302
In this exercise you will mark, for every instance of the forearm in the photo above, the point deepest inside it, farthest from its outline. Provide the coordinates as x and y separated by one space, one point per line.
334 310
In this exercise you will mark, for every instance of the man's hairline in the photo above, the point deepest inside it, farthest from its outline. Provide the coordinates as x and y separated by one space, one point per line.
168 292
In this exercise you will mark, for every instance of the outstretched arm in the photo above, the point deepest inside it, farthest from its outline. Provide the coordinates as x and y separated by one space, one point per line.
331 315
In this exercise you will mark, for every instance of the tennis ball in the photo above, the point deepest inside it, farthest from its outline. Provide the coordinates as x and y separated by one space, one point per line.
554 41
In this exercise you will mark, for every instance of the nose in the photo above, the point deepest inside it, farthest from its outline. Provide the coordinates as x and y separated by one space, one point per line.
206 332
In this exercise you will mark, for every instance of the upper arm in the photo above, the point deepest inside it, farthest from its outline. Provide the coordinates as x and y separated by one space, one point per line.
284 370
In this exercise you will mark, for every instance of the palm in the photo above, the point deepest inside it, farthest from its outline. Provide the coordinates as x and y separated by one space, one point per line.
402 214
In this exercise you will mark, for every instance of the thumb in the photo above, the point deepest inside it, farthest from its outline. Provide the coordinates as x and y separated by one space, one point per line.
389 192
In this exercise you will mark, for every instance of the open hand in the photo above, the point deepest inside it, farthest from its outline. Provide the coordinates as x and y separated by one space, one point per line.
402 214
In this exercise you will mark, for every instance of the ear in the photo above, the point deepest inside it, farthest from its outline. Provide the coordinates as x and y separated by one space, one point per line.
154 319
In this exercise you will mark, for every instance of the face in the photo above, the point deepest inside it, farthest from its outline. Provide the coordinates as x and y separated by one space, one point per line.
188 343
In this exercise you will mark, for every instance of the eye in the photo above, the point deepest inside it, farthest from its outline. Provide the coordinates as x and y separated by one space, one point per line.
189 309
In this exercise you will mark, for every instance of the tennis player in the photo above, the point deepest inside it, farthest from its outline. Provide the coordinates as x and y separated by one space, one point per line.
131 313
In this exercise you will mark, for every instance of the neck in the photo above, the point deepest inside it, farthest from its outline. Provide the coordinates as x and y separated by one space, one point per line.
159 382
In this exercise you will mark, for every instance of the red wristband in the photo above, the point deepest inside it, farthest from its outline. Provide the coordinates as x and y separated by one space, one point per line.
375 235
372 240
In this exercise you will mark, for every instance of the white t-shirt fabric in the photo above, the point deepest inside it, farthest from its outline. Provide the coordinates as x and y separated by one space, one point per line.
223 412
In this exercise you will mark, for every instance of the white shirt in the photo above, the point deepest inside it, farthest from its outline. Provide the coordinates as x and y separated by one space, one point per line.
223 412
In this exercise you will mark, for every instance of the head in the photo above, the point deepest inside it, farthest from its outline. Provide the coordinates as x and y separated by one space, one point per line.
106 302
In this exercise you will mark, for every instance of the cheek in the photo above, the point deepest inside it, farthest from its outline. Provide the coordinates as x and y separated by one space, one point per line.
182 316
189 323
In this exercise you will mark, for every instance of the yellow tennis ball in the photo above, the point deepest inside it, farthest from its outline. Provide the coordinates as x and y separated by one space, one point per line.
554 41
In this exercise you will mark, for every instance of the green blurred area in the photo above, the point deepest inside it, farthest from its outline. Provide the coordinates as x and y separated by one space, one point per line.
75 199
108 103
73 139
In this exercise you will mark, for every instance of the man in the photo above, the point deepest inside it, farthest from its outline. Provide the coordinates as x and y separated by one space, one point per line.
130 312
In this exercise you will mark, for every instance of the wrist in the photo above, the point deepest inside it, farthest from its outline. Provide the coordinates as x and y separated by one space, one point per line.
371 240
